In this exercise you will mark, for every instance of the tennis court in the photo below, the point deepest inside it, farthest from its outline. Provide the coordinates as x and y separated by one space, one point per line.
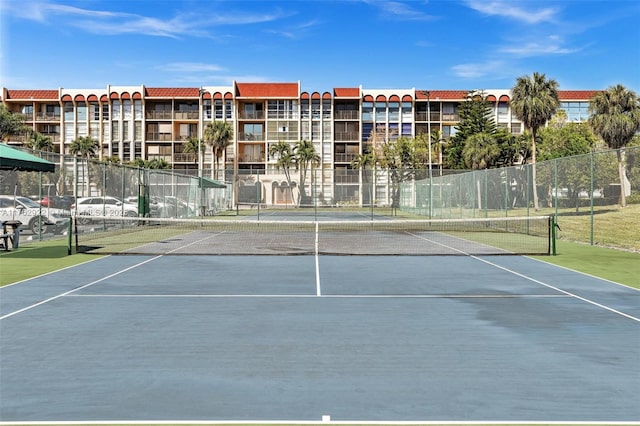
313 336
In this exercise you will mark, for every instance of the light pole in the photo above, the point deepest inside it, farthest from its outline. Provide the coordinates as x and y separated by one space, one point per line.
429 139
200 131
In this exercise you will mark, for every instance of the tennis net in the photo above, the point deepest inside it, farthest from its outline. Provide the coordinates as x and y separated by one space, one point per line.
481 236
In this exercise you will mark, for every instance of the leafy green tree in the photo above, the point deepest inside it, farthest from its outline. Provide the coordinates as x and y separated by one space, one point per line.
534 101
219 135
10 123
615 117
565 140
39 142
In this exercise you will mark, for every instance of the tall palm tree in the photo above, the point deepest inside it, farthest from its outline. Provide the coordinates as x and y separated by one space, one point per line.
534 101
305 157
218 134
285 160
39 142
615 117
84 146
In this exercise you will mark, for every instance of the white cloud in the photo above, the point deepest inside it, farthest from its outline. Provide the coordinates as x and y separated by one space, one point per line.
190 67
537 49
399 10
479 69
114 23
514 11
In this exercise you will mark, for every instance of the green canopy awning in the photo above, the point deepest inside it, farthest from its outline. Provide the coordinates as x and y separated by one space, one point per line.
14 159
210 183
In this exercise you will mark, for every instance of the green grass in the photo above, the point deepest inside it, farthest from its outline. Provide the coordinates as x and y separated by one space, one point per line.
615 265
36 258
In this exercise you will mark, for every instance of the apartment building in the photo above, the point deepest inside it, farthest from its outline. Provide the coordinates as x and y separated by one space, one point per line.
131 122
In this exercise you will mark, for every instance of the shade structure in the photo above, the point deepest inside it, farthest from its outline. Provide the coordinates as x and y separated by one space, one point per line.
210 183
14 159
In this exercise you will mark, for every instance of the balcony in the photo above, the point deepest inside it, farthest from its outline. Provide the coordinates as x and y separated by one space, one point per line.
47 117
347 115
422 116
185 157
250 137
347 136
251 115
251 158
162 137
158 115
186 115
345 157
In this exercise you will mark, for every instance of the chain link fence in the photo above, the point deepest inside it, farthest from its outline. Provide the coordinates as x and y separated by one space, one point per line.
579 190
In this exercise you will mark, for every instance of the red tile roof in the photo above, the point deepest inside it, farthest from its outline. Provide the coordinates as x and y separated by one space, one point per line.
346 92
267 90
32 94
576 95
172 92
446 95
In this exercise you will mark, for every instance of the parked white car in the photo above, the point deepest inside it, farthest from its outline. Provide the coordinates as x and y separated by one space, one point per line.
33 216
102 206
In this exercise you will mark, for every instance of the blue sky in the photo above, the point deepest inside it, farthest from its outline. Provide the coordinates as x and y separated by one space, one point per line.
434 44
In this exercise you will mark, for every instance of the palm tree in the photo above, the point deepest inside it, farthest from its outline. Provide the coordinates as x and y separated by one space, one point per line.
218 134
615 117
84 146
534 101
39 142
285 160
305 156
194 145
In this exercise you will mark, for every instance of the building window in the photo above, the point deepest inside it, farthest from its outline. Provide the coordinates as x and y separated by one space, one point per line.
576 111
503 108
68 112
206 109
125 131
228 109
304 108
105 111
217 106
137 131
137 109
82 111
115 130
381 111
326 109
116 110
126 106
394 111
367 111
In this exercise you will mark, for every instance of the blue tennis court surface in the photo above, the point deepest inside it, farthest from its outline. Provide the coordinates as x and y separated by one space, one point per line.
296 338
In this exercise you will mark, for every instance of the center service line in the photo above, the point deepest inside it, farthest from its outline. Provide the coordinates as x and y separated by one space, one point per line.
318 292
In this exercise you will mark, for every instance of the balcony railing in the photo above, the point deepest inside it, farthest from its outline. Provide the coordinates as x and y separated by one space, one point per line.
250 137
47 117
185 157
347 115
250 158
158 115
347 136
186 115
422 116
165 137
255 115
345 157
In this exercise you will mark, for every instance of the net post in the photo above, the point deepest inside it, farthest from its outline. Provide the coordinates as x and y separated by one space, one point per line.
70 236
552 234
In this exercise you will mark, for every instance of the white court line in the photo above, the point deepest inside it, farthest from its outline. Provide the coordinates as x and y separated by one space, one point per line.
318 292
329 296
568 293
76 289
